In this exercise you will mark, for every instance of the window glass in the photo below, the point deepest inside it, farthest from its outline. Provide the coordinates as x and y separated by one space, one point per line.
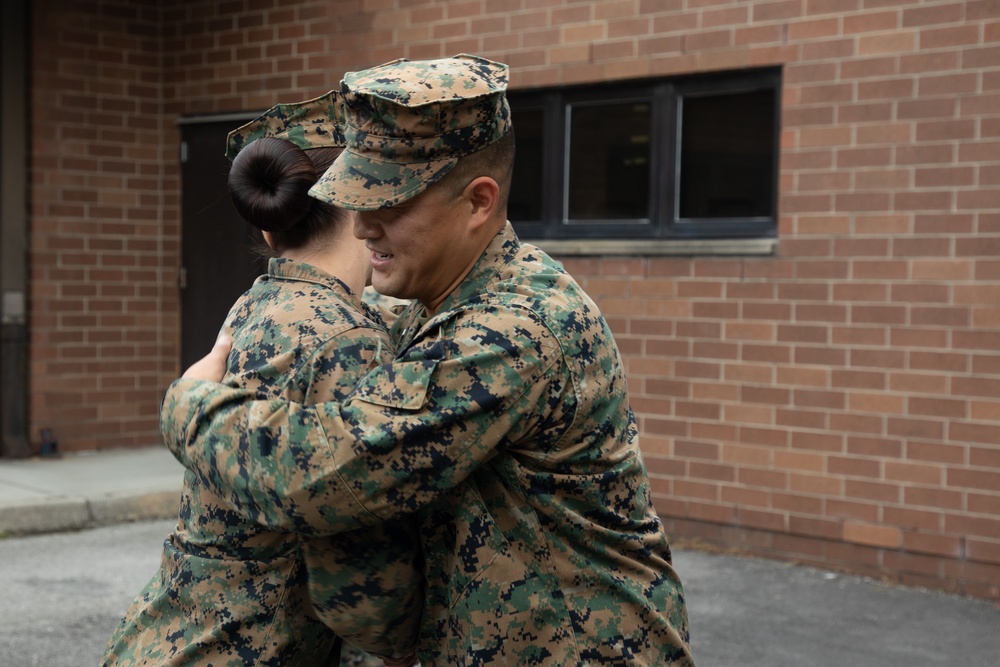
525 202
727 155
687 157
608 161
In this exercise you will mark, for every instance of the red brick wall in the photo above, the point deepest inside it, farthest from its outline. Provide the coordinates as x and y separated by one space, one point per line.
104 233
836 404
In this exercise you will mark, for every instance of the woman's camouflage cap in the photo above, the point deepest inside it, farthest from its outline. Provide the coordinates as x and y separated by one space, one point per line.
315 123
408 122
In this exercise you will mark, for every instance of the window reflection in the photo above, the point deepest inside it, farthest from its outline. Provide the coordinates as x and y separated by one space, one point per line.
726 155
692 157
608 161
525 202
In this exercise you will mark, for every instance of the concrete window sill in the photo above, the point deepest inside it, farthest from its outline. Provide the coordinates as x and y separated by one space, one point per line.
658 247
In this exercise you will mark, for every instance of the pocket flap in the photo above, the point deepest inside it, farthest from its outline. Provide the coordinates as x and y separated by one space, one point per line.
402 384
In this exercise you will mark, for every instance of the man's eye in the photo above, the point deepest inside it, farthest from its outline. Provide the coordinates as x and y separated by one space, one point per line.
380 217
392 214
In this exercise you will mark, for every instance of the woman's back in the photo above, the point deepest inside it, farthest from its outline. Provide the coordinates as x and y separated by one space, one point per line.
231 590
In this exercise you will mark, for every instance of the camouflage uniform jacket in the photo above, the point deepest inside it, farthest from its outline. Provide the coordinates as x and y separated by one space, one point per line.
231 592
505 419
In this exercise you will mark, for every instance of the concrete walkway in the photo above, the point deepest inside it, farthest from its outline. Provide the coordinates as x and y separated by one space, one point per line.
744 612
75 491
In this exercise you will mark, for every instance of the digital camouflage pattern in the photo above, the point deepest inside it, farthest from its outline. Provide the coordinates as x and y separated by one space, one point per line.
408 122
388 308
504 422
231 592
315 123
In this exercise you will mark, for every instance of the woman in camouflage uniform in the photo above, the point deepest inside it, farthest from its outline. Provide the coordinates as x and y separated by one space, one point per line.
230 590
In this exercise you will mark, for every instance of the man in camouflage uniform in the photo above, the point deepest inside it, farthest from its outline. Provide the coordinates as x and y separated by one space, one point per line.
229 590
503 421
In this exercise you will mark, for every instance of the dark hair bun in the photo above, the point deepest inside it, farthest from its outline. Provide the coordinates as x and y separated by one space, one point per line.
269 184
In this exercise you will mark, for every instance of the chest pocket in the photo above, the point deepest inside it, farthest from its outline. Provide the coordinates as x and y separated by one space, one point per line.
404 384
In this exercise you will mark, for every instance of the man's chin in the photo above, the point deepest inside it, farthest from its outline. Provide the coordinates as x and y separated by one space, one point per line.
385 287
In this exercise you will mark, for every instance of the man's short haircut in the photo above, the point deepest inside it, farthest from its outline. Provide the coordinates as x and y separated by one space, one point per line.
495 161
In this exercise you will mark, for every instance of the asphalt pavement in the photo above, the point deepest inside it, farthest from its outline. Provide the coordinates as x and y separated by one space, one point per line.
743 611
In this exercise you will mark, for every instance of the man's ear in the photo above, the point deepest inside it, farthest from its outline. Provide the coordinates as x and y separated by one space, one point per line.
483 196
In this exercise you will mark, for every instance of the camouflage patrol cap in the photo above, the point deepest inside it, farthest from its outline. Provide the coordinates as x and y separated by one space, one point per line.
315 123
408 122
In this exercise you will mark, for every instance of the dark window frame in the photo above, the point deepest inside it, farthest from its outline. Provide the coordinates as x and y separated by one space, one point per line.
666 97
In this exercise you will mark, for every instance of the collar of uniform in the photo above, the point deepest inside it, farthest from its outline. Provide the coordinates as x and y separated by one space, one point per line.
499 252
282 268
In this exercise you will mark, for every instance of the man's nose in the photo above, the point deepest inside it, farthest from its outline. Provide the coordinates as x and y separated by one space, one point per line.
364 226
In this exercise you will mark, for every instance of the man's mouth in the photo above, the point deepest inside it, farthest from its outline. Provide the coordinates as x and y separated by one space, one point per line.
382 256
380 260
